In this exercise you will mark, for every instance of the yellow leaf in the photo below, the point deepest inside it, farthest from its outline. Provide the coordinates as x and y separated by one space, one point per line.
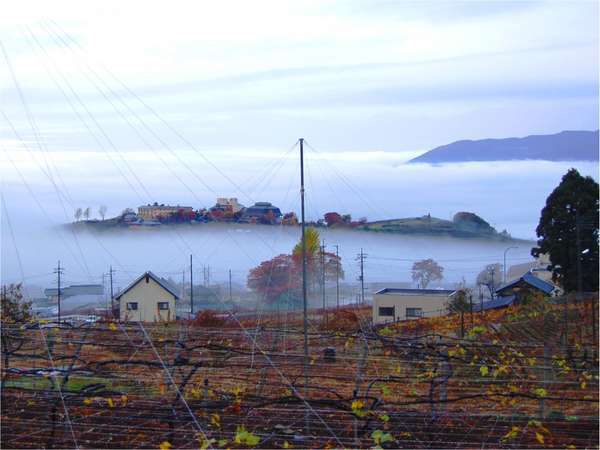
124 400
540 392
111 404
484 370
215 420
87 401
357 404
286 444
539 437
113 327
165 445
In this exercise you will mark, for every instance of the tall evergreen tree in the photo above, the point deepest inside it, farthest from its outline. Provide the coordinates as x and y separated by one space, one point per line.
568 231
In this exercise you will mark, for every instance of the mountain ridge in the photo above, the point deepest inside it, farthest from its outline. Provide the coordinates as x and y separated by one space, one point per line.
568 145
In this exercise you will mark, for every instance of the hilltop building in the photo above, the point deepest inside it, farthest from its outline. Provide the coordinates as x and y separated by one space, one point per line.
392 304
261 212
156 211
229 204
147 299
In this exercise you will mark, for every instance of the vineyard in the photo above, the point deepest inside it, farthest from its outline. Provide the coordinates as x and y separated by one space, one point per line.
522 377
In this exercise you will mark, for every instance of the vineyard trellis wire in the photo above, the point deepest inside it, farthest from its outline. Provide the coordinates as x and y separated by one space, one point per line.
519 377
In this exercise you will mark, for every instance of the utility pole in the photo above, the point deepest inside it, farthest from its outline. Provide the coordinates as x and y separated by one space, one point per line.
58 271
323 279
304 299
337 276
182 286
191 286
112 307
230 297
361 258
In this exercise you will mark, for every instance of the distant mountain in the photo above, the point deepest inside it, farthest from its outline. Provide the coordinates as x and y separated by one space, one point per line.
563 146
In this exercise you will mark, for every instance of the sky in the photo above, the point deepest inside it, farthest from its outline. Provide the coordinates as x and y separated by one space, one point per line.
124 103
348 75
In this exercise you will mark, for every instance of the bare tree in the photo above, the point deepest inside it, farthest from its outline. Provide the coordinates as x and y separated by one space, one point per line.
86 213
78 214
102 211
490 277
425 271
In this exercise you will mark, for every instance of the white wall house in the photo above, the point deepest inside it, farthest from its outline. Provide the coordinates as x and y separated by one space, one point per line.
148 299
391 305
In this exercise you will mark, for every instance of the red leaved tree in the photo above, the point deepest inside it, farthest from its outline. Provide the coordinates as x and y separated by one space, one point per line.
277 280
333 218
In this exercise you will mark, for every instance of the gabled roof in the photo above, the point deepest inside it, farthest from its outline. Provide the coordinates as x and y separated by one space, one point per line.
533 281
162 283
444 292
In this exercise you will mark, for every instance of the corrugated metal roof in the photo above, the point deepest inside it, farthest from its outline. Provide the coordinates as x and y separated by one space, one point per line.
498 302
444 292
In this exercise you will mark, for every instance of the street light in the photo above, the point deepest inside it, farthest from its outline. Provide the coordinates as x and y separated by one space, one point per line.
504 266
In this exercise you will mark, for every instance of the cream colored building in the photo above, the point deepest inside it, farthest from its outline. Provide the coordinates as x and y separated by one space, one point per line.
147 299
392 305
230 202
156 211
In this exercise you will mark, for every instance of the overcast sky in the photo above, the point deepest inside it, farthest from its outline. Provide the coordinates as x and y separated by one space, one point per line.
126 102
347 75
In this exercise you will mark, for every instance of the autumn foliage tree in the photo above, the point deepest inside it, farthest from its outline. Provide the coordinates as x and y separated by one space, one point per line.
279 280
276 280
426 271
315 262
333 218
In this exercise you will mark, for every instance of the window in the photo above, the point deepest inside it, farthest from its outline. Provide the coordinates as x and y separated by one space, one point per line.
132 306
163 305
387 311
414 312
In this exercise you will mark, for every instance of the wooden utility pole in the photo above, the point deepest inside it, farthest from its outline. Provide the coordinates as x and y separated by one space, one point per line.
361 258
112 295
337 276
191 287
323 279
230 296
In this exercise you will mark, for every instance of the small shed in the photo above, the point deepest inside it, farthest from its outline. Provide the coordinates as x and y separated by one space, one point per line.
147 299
525 284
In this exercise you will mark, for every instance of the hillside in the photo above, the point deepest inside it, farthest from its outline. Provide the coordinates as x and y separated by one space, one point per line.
464 225
563 146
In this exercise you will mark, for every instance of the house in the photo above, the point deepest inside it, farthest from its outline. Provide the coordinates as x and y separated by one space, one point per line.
261 212
156 211
148 299
394 304
525 285
517 291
